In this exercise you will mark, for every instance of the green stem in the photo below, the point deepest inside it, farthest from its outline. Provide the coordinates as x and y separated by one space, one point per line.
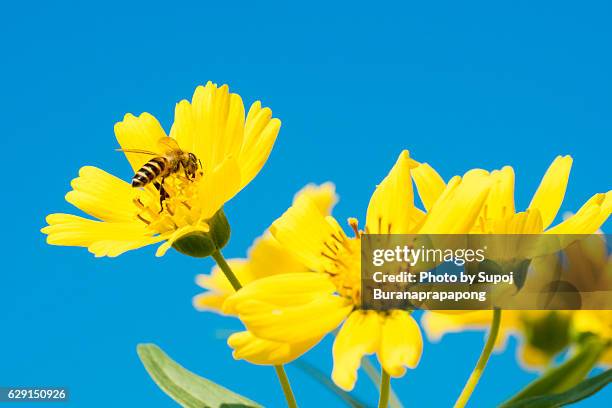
282 377
374 376
229 274
469 387
385 381
280 370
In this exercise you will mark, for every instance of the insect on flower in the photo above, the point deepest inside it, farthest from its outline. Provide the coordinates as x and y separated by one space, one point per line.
182 179
170 160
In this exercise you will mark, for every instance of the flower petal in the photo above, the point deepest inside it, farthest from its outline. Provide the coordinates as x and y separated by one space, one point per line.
305 232
275 309
500 202
531 358
401 343
359 336
103 195
260 133
391 208
294 324
101 238
457 208
211 126
283 290
265 352
219 288
429 184
589 218
437 324
324 196
549 195
218 186
267 257
142 133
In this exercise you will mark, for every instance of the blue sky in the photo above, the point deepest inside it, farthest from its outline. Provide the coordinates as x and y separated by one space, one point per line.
460 85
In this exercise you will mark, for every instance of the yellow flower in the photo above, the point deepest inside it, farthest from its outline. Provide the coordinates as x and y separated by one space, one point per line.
266 256
544 333
296 310
498 215
231 148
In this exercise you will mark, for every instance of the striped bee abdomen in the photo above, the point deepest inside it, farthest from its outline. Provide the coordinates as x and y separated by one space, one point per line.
150 171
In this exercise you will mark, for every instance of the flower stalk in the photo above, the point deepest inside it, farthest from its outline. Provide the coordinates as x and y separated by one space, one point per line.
469 387
385 381
284 380
280 370
229 274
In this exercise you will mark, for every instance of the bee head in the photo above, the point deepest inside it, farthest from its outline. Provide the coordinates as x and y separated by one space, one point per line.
190 163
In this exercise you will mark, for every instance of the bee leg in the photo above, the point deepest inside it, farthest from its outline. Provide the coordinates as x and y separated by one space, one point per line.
163 194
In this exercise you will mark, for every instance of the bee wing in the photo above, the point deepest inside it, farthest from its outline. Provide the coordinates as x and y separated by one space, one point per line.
139 151
168 144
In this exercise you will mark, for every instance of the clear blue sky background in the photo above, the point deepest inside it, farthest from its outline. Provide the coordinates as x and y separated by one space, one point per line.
482 84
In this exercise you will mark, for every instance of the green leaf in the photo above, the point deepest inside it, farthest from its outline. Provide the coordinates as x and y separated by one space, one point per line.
565 375
579 392
183 386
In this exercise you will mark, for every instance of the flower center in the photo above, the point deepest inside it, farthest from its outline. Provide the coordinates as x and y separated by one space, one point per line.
344 266
170 211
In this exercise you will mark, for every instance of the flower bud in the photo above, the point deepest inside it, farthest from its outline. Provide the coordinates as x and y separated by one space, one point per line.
202 244
549 332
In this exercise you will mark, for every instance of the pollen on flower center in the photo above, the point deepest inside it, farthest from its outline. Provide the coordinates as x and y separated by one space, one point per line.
344 264
178 209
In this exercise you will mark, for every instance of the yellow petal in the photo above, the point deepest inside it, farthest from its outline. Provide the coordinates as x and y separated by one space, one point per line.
219 287
531 358
401 343
211 126
457 208
527 222
267 257
391 207
103 195
589 218
305 231
265 352
324 196
429 184
218 186
550 193
500 202
142 133
283 289
294 324
598 322
437 324
259 137
101 238
588 254
606 359
359 336
288 308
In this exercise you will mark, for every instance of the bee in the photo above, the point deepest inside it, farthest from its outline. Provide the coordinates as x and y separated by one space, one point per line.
168 161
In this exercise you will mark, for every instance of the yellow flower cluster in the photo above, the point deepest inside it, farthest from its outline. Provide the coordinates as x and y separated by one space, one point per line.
301 279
